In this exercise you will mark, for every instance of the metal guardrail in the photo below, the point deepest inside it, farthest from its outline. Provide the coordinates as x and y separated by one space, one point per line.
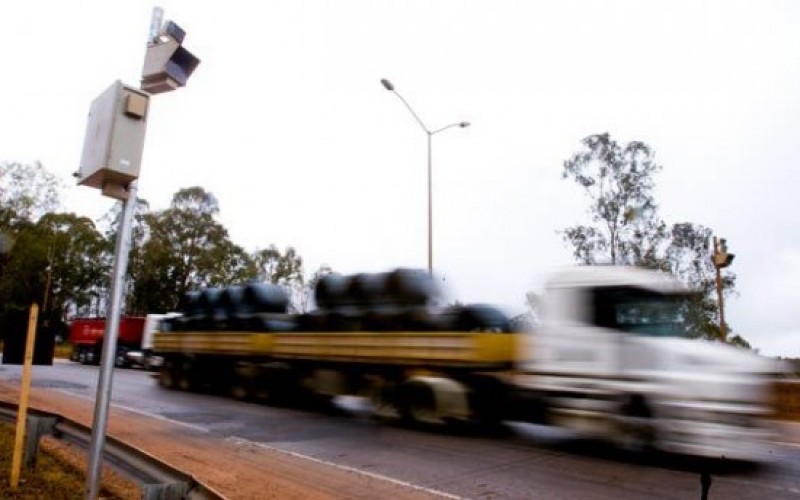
158 480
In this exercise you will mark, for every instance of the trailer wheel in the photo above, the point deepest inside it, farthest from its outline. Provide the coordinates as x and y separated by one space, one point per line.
241 383
166 375
240 390
488 400
186 376
416 403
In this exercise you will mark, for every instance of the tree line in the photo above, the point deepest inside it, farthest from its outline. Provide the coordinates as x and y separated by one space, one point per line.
63 261
625 227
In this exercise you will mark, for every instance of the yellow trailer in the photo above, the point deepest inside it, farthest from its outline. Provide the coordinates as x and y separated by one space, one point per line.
429 377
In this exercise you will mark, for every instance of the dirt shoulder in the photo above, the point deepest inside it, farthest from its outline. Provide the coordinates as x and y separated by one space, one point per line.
235 469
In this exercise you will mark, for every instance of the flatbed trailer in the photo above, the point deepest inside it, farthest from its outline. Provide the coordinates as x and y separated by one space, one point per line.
472 350
424 377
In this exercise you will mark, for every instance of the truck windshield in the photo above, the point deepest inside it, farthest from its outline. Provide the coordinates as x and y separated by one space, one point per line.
639 311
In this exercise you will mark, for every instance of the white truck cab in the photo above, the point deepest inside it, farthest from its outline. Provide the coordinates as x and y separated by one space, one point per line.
144 357
612 359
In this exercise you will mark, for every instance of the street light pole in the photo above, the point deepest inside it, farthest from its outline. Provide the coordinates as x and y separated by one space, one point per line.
430 202
430 133
721 259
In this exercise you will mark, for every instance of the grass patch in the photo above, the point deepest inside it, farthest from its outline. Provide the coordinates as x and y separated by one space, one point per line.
59 473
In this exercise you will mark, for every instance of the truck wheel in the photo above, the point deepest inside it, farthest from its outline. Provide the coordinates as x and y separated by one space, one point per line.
186 378
240 391
95 356
166 375
242 381
417 404
119 360
635 427
488 400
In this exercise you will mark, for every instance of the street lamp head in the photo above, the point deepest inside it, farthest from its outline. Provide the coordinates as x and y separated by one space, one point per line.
387 84
464 124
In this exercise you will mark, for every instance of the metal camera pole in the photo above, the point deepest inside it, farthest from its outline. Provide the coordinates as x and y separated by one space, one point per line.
123 245
122 249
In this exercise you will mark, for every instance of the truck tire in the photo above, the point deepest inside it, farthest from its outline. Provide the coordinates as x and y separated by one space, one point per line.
243 378
416 404
488 401
120 361
94 356
166 375
185 375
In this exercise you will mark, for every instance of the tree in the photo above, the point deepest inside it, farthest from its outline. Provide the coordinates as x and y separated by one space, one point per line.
27 191
79 260
688 256
627 228
278 268
619 183
530 318
186 248
62 262
139 234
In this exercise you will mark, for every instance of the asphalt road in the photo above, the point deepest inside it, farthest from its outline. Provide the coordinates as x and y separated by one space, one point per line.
524 462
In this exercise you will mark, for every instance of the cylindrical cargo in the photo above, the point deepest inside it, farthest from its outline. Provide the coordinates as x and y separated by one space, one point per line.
265 298
231 300
331 291
411 287
481 317
367 289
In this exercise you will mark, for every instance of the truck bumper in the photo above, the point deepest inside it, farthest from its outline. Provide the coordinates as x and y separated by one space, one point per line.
718 441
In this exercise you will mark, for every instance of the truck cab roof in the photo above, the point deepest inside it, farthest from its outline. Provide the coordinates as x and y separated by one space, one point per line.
617 276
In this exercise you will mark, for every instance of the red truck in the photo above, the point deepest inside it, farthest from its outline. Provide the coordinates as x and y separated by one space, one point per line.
86 337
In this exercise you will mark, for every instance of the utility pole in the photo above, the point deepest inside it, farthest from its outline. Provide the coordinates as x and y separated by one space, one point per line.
721 259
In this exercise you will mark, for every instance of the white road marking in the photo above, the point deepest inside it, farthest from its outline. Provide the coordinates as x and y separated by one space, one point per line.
240 441
143 413
373 475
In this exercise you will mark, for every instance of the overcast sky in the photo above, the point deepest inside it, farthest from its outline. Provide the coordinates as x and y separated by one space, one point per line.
286 122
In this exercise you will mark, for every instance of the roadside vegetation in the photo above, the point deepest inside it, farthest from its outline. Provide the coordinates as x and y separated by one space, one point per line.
62 261
59 474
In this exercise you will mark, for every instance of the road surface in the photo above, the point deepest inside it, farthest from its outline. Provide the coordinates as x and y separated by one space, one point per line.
524 462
